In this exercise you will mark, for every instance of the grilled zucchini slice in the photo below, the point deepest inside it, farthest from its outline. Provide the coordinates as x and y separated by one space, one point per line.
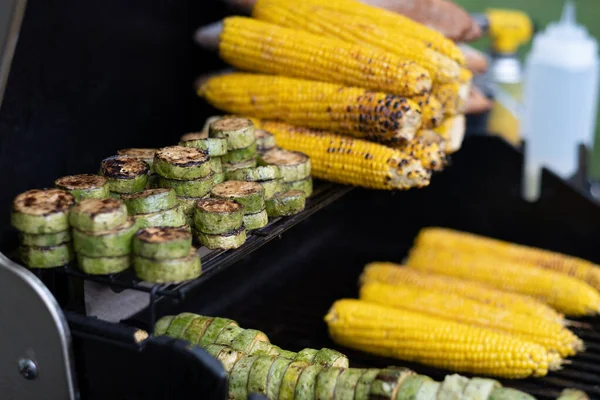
293 165
225 241
264 140
98 215
42 211
239 132
249 194
110 243
146 155
240 155
193 188
256 221
182 163
259 375
46 257
214 147
84 186
326 380
290 380
125 174
275 377
285 204
218 216
305 389
173 270
103 265
45 239
233 167
150 201
171 217
304 185
162 243
346 383
238 378
256 174
363 387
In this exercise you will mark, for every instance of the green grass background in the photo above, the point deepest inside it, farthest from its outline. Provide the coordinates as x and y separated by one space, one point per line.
542 12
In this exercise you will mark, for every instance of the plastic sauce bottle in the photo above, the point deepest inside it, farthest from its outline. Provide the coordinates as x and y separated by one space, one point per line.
560 100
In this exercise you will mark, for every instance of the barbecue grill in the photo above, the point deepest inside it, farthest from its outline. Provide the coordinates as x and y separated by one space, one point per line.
283 280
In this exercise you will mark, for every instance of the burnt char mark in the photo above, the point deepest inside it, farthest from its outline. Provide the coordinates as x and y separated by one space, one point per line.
48 200
123 167
104 206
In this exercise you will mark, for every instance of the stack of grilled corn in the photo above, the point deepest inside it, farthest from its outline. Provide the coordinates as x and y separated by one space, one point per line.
471 304
375 99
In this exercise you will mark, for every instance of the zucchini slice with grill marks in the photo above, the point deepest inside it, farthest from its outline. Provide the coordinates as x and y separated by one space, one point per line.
264 140
42 211
84 186
214 147
293 165
46 257
125 174
193 188
346 383
304 185
214 330
305 389
259 375
387 383
256 174
182 163
239 132
98 215
110 243
238 378
233 167
256 221
161 243
171 217
218 216
150 200
272 187
275 377
146 155
249 194
173 270
240 155
45 239
363 386
290 380
224 241
285 204
103 265
326 380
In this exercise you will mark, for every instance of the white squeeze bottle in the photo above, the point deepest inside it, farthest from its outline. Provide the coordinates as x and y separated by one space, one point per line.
560 99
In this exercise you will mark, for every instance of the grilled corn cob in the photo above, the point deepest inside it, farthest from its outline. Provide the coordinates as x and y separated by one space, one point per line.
393 274
430 154
432 111
566 294
451 96
452 130
552 335
321 20
433 341
262 47
351 161
573 266
314 104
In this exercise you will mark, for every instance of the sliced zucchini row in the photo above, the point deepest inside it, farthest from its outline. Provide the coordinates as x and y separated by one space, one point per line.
84 186
182 163
264 140
150 201
146 155
225 241
257 174
239 132
161 243
170 217
259 375
214 147
42 211
272 187
285 204
103 265
172 270
193 188
125 174
240 155
256 221
234 167
290 380
110 243
46 257
293 165
249 194
305 389
98 215
304 185
218 216
45 239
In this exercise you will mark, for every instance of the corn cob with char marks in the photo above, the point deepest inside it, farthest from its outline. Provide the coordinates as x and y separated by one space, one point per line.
351 161
452 97
573 266
432 111
262 47
431 154
314 104
394 274
321 20
452 131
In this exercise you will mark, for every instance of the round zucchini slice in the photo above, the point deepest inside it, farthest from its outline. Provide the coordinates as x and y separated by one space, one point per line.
304 185
194 136
218 216
193 188
239 132
225 241
45 239
161 243
214 147
181 163
196 330
172 271
103 265
180 324
326 380
346 383
288 354
306 355
170 217
257 174
150 201
84 186
259 374
46 257
264 140
146 155
111 243
42 211
249 194
285 204
218 177
293 165
272 187
275 377
216 165
228 334
238 378
361 392
125 174
240 155
290 380
305 389
98 215
234 167
330 358
246 339
256 221
213 331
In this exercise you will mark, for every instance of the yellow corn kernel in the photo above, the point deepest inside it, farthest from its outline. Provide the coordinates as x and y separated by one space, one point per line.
566 294
573 266
431 155
432 111
433 341
552 335
450 96
353 111
452 130
321 20
258 46
394 274
351 161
